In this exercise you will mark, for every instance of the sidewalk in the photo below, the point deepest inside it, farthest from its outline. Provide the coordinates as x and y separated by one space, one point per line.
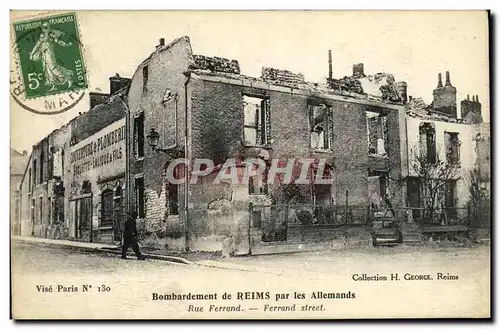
205 259
164 255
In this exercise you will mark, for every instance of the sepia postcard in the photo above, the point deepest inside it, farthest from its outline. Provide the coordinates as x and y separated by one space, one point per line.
250 165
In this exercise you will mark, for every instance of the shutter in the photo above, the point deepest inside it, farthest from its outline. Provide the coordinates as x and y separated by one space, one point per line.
258 127
310 108
267 110
385 134
330 128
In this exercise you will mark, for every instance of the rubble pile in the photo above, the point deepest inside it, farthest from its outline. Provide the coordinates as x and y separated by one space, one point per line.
282 77
416 108
381 85
215 64
416 104
349 84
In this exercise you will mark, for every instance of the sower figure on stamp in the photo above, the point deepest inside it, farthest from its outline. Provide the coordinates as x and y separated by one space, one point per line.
44 51
130 237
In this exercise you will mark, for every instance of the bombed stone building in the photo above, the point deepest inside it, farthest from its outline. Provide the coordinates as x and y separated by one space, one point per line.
444 144
173 143
199 107
17 166
66 183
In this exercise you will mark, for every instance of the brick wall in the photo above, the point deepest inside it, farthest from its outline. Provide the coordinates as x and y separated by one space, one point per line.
215 131
166 67
217 121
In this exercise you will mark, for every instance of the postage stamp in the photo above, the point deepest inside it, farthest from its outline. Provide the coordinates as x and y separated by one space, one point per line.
50 55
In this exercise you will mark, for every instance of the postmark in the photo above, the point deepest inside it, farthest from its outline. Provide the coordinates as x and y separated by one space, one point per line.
49 72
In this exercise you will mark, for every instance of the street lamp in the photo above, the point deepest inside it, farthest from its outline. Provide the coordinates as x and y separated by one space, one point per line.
153 141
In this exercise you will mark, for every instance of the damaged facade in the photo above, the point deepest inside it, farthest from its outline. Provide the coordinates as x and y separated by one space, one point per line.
212 111
64 188
359 131
442 147
18 162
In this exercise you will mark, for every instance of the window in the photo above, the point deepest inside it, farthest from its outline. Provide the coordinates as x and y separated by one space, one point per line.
41 166
40 209
145 76
257 184
257 127
62 162
378 188
139 197
322 200
452 143
49 203
376 129
321 127
86 187
29 180
34 172
256 219
33 209
139 136
427 133
451 193
57 163
172 199
451 198
322 194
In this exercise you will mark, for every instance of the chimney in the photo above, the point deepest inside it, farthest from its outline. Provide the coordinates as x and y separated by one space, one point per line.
330 69
468 96
448 82
358 70
477 98
25 153
117 82
440 81
162 42
402 88
410 98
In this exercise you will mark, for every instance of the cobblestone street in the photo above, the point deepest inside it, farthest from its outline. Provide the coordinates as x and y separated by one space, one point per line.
125 288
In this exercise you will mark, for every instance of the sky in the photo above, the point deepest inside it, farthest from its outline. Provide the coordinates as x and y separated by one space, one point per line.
413 46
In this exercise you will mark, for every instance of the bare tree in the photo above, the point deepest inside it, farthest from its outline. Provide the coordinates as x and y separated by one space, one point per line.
479 199
433 174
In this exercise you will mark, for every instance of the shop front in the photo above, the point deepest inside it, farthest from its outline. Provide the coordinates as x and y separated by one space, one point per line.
97 208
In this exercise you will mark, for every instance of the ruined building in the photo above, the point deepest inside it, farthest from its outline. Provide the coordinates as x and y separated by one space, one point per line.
436 135
357 130
204 107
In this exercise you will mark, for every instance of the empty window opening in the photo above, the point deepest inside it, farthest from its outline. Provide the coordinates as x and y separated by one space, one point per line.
173 199
376 127
139 197
256 121
139 136
320 124
427 133
145 77
452 143
378 189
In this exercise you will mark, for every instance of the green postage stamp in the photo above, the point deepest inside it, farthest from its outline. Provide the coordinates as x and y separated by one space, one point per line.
50 55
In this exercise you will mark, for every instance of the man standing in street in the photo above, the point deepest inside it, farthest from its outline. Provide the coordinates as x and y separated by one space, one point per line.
130 237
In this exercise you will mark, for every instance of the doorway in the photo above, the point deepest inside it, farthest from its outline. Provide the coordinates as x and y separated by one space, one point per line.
83 219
